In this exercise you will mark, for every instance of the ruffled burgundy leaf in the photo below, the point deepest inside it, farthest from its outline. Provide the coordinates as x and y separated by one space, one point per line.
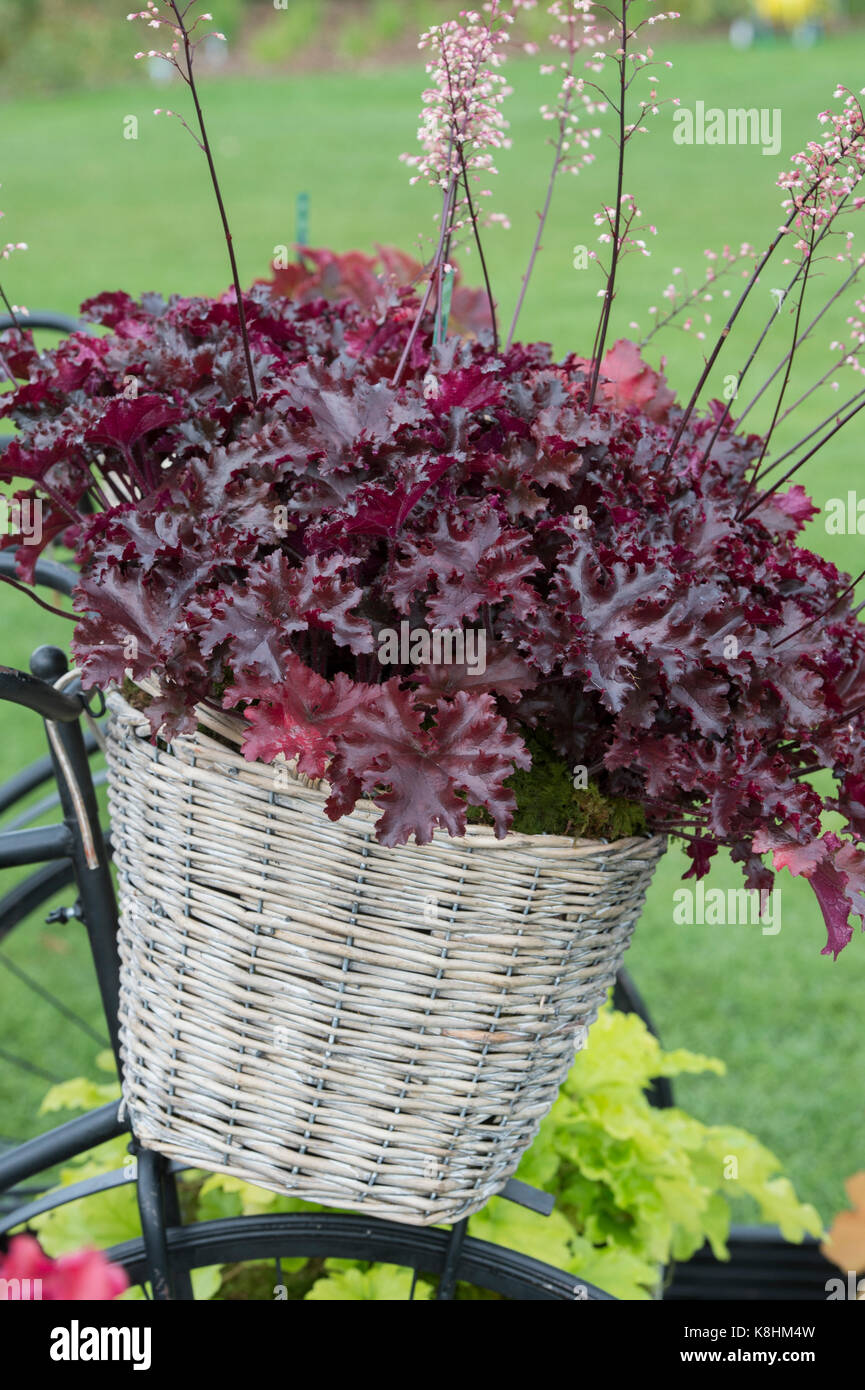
125 422
415 775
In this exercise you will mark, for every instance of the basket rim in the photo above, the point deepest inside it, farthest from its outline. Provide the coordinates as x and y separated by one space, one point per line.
231 727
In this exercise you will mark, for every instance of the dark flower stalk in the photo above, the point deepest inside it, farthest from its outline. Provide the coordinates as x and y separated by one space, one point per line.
606 309
693 297
438 260
620 218
10 311
821 444
155 19
829 186
536 246
578 27
461 125
479 244
49 607
833 415
758 462
855 272
787 361
722 338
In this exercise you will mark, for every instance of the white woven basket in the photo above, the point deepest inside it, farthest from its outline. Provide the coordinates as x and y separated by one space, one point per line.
369 1028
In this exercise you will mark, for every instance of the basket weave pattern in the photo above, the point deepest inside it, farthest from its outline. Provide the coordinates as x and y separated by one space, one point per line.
369 1028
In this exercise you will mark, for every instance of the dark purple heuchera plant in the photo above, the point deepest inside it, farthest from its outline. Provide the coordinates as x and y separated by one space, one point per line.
274 482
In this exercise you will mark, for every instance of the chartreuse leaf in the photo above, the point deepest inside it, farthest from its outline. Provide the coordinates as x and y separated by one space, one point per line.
251 1200
716 1225
546 1238
615 1270
541 1164
223 1195
217 1204
747 1167
135 1294
105 1219
651 1184
379 1283
205 1283
79 1094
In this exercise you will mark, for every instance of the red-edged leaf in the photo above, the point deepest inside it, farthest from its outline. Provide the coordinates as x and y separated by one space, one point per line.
301 717
627 381
415 774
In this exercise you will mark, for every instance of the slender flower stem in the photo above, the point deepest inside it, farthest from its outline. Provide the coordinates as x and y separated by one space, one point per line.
722 338
811 452
11 312
725 331
443 234
804 265
49 607
135 472
807 333
542 220
59 500
187 48
836 366
601 335
776 463
692 298
780 401
473 216
440 327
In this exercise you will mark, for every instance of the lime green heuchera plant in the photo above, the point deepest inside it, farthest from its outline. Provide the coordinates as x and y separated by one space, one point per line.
636 1187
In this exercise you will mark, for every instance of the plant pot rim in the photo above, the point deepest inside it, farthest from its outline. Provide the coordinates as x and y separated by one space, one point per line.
230 727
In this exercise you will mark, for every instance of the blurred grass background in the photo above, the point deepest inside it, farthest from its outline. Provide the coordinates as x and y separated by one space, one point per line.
50 45
103 212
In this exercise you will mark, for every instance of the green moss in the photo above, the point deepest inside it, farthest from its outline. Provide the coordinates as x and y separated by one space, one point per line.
548 803
134 695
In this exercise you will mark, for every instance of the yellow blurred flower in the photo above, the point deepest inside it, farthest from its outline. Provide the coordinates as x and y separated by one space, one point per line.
788 11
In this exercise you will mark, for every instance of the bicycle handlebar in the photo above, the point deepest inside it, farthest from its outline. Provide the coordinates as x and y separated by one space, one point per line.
48 575
23 689
48 319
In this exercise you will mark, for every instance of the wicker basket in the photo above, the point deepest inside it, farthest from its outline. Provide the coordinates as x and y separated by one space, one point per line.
369 1028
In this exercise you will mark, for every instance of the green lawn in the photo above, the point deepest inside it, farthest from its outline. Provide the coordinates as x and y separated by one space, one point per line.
102 212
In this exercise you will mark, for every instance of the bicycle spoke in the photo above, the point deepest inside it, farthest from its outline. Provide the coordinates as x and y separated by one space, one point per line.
30 1067
53 1000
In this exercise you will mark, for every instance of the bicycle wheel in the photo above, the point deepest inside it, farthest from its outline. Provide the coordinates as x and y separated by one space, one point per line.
333 1235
